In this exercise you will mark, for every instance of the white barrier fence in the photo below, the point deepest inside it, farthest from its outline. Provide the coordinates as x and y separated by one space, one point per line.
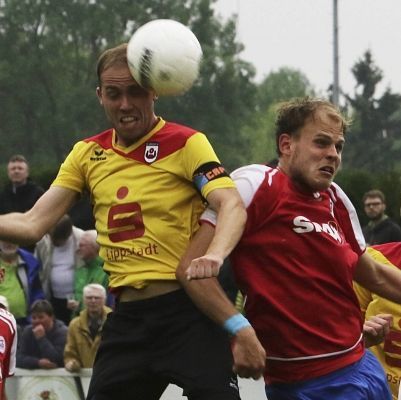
58 384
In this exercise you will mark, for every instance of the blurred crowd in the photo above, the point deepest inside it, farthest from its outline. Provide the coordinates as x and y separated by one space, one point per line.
56 288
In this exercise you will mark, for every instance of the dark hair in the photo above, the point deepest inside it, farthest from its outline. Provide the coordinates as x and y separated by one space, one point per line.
110 57
374 193
292 115
42 306
62 230
18 157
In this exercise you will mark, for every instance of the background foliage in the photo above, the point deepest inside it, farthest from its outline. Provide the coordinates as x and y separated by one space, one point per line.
49 50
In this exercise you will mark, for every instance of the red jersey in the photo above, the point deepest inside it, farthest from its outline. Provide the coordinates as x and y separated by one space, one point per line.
295 264
8 347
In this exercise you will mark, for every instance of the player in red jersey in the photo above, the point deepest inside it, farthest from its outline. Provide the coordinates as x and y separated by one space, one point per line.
300 251
8 342
148 179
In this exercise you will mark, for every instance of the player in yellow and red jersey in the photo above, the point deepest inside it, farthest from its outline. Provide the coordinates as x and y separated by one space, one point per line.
148 181
372 305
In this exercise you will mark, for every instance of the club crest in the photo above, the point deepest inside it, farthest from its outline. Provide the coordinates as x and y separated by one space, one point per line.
151 151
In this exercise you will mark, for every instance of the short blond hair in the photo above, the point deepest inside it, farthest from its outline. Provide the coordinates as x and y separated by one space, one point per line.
110 57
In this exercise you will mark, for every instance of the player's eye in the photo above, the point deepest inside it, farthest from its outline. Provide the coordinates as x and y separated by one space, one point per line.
112 93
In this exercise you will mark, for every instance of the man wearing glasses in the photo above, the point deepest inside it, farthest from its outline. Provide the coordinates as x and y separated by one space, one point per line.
380 228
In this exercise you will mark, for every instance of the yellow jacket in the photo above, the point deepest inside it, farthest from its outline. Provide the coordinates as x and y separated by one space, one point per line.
80 347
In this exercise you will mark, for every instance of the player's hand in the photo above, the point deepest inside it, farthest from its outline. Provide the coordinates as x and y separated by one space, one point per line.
45 363
206 266
249 355
376 328
38 331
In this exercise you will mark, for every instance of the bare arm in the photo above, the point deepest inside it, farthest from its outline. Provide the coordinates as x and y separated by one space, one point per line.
209 297
231 218
378 278
29 227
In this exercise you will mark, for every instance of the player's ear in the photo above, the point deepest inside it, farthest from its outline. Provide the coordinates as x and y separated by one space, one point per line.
99 94
284 143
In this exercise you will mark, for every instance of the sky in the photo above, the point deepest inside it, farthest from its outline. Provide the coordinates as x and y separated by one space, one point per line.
299 34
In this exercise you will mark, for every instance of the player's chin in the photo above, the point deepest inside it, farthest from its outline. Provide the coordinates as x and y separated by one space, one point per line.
322 184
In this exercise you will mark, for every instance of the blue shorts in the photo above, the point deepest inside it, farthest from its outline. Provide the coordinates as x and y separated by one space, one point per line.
363 380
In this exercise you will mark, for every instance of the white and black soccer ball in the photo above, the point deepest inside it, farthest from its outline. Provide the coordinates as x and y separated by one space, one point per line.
164 55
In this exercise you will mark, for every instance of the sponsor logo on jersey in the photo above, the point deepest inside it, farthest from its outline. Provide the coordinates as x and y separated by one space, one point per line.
151 151
98 155
305 225
2 345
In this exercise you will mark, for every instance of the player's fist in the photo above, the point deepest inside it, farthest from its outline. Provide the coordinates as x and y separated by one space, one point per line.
206 266
376 328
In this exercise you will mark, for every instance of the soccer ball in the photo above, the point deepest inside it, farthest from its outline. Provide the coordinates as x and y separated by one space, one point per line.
164 55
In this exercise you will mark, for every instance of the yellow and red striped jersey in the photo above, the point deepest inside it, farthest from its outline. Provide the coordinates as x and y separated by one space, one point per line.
389 351
147 198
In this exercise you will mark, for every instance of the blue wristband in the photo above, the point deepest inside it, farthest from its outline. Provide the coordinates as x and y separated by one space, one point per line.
235 323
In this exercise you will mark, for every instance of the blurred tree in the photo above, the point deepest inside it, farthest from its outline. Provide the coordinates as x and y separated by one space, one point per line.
47 73
278 86
374 139
357 182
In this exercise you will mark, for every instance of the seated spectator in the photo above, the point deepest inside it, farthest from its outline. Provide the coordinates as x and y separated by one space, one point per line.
84 331
42 343
91 271
22 284
57 251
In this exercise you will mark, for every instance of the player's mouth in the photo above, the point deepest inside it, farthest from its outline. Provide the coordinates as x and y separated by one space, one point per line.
129 119
328 171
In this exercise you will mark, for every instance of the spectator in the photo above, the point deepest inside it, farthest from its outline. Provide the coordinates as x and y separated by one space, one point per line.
388 351
84 331
380 229
91 271
20 193
22 284
57 252
42 343
8 343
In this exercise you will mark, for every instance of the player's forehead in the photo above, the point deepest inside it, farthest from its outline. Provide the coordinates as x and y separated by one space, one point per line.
117 75
325 123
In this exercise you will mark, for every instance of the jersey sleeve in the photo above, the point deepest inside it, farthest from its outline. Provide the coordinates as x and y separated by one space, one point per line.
247 181
379 253
71 174
203 167
348 219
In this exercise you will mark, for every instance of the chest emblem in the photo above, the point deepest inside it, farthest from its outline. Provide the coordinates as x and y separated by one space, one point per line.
151 151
